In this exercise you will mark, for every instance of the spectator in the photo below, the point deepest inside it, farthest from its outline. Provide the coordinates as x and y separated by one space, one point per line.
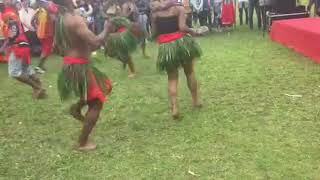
113 8
265 6
197 7
26 14
217 7
143 8
205 17
316 4
254 5
243 6
100 16
86 11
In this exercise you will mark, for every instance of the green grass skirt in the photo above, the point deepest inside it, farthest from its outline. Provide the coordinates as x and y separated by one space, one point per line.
121 45
74 80
178 53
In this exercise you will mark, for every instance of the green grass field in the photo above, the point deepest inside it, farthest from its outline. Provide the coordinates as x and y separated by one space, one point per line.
248 129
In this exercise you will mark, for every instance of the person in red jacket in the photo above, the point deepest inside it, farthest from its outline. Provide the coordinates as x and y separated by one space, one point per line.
18 52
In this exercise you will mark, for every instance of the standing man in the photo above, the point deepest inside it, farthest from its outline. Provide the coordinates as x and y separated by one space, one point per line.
197 7
205 17
265 6
26 14
243 6
79 77
217 7
143 9
254 5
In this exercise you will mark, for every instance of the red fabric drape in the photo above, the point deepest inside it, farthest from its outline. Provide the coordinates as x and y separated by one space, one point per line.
302 35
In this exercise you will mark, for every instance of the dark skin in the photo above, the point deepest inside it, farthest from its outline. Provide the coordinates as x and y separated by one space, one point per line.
82 42
178 11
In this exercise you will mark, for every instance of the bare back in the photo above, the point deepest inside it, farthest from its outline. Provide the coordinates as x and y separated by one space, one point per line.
81 41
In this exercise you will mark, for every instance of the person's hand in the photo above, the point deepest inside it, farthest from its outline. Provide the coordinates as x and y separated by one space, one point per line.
194 33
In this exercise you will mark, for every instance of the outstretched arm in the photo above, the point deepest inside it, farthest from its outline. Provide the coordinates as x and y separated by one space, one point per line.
153 25
88 36
182 21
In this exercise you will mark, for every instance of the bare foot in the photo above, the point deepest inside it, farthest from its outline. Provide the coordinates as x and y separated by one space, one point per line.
75 112
43 94
175 113
132 75
39 94
87 147
175 116
197 105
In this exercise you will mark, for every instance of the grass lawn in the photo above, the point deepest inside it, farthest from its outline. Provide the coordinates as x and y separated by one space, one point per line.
248 129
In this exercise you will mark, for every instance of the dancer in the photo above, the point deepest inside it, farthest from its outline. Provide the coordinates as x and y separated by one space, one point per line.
45 33
176 49
79 77
18 52
122 42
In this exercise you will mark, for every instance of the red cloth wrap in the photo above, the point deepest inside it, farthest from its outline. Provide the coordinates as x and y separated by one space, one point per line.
22 53
227 14
122 29
74 60
94 91
165 38
46 45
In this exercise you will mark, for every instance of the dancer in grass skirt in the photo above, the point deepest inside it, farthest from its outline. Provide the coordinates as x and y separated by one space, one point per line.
122 42
78 76
177 49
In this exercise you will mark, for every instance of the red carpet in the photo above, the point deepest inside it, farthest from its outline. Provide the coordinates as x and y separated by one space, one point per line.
302 35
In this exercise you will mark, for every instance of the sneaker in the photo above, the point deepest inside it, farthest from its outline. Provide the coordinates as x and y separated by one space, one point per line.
39 70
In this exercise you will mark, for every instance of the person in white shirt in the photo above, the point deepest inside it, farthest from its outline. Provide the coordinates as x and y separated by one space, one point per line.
243 6
26 15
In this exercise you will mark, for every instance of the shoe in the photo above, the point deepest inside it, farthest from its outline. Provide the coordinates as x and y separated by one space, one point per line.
39 70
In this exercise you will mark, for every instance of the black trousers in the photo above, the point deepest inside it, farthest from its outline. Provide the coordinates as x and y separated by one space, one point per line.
264 10
254 5
245 9
205 18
